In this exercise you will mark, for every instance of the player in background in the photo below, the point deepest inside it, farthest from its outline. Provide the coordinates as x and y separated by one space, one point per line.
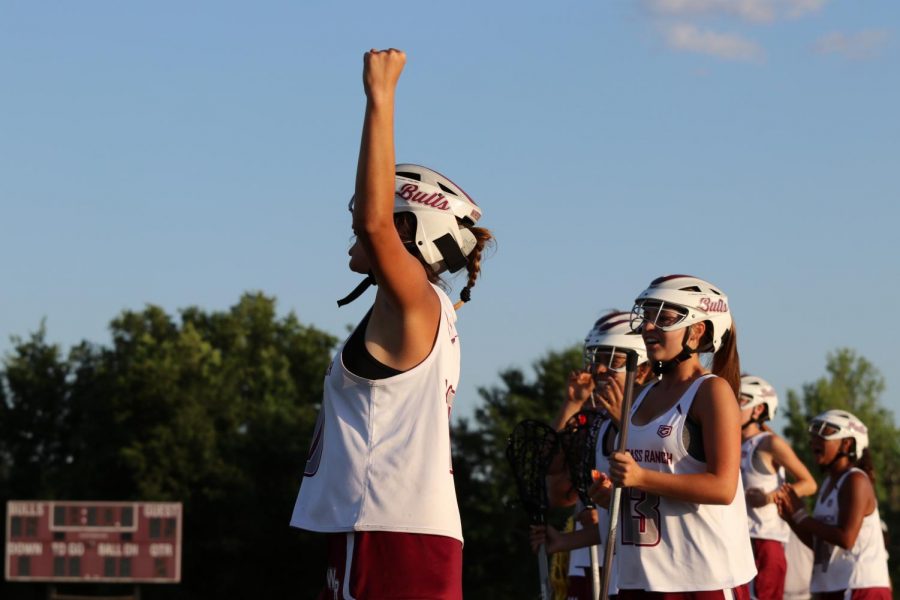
844 531
765 457
379 478
600 385
682 467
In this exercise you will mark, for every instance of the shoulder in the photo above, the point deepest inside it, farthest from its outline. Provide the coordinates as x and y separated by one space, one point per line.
715 392
856 486
714 402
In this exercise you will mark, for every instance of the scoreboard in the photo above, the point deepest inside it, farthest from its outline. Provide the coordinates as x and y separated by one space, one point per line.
116 542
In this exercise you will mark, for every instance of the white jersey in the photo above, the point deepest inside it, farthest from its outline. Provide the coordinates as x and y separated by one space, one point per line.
380 456
864 565
799 560
669 545
764 521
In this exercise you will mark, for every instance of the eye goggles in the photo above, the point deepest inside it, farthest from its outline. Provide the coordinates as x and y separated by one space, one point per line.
606 356
665 316
826 430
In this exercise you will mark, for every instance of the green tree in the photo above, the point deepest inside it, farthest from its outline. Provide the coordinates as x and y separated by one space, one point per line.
497 560
854 384
213 409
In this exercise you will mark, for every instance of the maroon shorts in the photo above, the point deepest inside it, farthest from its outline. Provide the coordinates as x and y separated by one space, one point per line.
739 593
771 568
386 565
860 594
580 587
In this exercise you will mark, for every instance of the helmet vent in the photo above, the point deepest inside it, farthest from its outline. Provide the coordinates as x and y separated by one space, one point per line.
692 288
446 189
415 176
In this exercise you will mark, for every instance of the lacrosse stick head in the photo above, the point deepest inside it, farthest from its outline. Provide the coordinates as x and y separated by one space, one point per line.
529 450
579 441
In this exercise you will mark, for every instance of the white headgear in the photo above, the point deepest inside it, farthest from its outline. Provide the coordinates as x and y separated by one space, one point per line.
437 203
758 391
614 331
838 424
694 299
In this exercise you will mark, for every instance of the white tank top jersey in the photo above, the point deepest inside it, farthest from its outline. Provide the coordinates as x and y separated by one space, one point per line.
765 524
864 565
380 456
668 545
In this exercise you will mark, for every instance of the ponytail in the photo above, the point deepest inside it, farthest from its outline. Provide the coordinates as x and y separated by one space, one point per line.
865 463
726 362
483 237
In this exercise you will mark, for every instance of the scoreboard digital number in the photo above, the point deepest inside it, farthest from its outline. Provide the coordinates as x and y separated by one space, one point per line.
116 542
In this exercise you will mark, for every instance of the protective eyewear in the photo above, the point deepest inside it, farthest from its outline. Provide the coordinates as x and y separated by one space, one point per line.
665 316
606 356
826 430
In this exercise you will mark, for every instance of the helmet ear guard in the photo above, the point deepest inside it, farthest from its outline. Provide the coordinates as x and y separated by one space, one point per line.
444 246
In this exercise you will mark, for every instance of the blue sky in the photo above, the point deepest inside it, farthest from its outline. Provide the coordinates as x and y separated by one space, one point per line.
181 153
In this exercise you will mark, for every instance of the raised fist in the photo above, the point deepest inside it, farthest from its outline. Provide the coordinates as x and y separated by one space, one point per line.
381 70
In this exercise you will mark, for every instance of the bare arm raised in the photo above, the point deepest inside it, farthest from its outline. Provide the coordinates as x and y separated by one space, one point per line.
406 313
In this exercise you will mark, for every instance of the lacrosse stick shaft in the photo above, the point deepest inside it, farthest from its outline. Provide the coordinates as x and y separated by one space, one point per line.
545 573
595 572
614 508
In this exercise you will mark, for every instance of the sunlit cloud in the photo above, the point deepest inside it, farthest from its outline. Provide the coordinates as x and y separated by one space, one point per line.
727 46
754 11
855 46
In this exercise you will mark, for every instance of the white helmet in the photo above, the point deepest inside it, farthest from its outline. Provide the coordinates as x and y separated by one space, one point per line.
838 424
437 203
693 299
758 391
614 331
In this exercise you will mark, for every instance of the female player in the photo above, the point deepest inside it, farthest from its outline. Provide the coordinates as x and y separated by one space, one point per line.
764 458
844 531
682 467
602 383
379 477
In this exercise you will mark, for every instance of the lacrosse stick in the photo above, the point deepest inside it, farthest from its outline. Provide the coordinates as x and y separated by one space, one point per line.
531 447
579 441
624 420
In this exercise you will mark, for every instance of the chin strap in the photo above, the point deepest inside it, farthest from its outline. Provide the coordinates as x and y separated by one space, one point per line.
358 290
661 367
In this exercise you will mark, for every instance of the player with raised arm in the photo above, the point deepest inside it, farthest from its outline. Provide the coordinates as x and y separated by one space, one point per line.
379 478
765 456
844 531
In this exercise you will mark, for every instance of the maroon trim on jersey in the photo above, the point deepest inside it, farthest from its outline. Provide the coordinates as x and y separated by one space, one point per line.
771 568
388 565
741 592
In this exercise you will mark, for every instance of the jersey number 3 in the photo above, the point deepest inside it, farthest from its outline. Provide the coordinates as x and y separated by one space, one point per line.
640 519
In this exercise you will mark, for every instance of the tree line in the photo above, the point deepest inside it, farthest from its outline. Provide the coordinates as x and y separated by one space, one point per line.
215 409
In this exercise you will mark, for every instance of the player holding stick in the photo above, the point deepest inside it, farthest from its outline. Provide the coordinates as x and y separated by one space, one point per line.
681 473
378 478
602 384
